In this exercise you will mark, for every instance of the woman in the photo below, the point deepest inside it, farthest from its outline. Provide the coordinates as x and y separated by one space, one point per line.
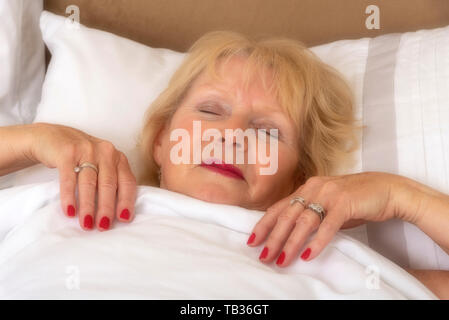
304 110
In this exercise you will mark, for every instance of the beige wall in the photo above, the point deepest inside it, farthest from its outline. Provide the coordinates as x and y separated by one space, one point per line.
176 24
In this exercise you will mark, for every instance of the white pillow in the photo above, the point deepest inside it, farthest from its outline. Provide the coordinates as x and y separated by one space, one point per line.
22 60
99 83
403 97
102 84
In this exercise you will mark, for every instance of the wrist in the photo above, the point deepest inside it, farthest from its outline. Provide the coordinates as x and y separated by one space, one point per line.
415 200
15 148
25 141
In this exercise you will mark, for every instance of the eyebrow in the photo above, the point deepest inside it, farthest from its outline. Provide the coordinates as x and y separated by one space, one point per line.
269 122
216 92
213 89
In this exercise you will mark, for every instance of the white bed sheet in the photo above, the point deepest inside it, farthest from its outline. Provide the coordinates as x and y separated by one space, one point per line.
176 248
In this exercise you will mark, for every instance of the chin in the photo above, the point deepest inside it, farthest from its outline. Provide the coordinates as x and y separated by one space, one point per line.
215 193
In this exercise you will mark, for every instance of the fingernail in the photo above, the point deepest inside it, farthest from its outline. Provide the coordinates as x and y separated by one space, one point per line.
88 222
124 214
104 223
264 253
281 258
71 211
251 238
306 254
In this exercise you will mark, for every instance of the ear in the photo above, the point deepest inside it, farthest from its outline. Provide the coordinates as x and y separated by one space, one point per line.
158 145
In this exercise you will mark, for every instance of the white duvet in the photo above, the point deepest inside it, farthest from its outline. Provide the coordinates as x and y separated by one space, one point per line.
177 247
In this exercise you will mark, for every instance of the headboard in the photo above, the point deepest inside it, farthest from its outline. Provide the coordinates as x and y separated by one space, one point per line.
176 24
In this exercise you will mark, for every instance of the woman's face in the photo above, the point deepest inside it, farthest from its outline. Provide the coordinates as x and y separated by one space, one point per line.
225 105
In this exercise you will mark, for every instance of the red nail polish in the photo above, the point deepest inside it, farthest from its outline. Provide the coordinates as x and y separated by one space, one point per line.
251 238
264 253
104 223
306 254
125 214
88 222
71 211
281 258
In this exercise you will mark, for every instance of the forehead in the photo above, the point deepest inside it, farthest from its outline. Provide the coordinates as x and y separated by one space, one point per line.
232 79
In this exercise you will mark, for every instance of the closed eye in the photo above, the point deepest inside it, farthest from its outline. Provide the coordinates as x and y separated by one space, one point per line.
209 112
211 108
272 132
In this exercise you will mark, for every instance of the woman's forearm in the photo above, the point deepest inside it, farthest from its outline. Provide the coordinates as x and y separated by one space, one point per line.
431 211
434 220
436 281
15 148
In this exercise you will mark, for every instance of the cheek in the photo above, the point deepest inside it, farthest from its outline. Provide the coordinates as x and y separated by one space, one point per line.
288 164
288 161
177 122
181 121
185 122
283 179
175 174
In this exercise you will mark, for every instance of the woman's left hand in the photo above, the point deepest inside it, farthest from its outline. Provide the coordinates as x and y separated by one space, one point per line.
348 200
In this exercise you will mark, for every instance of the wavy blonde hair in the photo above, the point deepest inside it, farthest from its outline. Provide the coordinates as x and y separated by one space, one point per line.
315 96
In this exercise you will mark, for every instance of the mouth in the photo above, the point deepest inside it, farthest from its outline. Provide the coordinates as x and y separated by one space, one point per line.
225 169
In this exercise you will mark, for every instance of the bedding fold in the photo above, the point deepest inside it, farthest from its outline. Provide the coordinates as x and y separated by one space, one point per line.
177 247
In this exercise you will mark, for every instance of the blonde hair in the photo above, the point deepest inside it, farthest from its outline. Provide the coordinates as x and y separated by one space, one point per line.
314 95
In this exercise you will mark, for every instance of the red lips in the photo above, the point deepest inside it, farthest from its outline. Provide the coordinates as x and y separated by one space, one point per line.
224 169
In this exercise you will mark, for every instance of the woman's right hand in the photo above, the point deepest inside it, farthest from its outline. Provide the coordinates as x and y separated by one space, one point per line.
62 147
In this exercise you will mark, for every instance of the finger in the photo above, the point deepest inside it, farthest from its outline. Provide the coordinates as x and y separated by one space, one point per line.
327 196
284 226
87 188
267 225
127 190
67 188
107 192
264 226
329 227
307 222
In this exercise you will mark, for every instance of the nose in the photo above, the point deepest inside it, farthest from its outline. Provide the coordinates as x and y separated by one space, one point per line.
230 133
236 144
